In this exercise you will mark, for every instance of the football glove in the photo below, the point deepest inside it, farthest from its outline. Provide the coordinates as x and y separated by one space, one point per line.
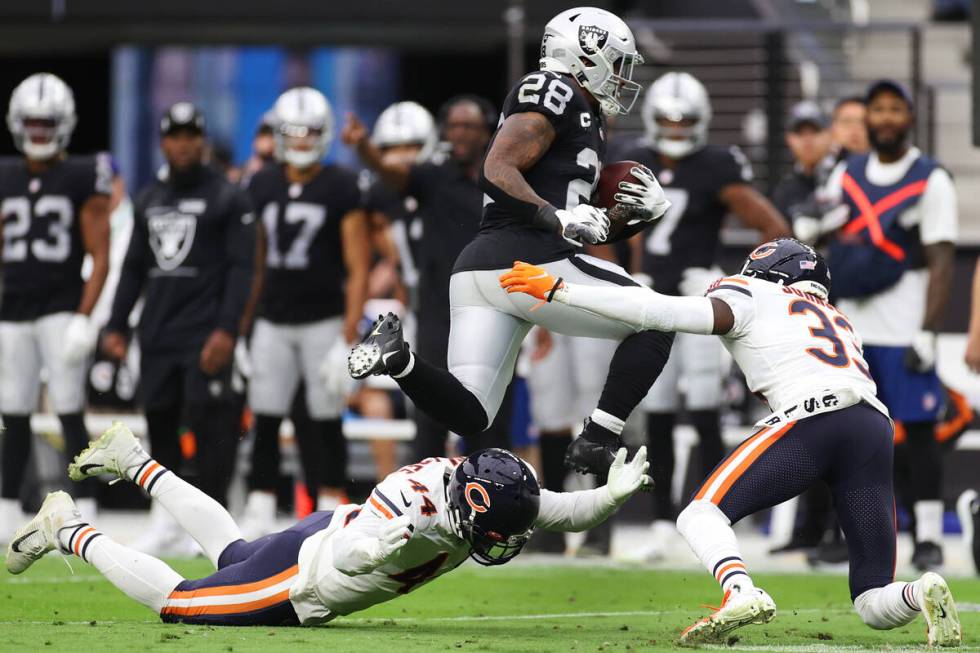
333 370
647 196
530 279
79 339
626 478
921 355
583 224
243 358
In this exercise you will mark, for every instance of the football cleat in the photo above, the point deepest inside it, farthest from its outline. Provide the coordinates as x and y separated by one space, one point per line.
737 609
927 555
40 535
588 455
115 451
939 609
383 346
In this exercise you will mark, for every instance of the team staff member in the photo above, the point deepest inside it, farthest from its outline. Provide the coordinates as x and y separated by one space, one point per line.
192 252
450 203
808 140
55 210
892 253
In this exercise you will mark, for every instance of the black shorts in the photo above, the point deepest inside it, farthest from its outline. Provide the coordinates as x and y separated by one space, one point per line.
169 378
848 449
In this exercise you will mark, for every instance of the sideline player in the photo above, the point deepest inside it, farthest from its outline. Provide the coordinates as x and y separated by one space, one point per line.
703 182
419 523
802 355
539 173
55 210
313 251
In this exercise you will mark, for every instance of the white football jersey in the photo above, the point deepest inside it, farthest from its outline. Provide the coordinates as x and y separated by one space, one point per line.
322 592
792 345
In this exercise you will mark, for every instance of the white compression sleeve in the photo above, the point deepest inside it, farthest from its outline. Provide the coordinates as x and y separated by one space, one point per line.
574 511
642 308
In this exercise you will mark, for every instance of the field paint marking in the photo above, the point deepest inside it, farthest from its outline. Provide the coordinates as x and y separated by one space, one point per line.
27 580
538 617
820 648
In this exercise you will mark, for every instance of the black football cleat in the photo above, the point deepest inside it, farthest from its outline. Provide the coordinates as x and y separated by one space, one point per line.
927 556
592 453
383 351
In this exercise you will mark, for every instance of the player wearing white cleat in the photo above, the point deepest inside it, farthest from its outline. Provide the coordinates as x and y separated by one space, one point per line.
740 607
115 451
939 610
40 535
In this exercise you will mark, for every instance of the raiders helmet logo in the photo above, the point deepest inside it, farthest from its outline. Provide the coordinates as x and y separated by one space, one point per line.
171 236
591 38
479 503
762 251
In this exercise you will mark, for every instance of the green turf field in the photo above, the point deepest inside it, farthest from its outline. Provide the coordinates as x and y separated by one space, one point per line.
516 608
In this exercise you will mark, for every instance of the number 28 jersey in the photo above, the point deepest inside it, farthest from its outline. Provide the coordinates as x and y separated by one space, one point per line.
791 345
565 176
42 242
305 271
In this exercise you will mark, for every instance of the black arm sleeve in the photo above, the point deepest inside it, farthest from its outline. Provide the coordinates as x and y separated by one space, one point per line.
132 275
240 261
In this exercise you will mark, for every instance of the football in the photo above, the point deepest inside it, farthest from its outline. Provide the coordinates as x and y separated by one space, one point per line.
605 194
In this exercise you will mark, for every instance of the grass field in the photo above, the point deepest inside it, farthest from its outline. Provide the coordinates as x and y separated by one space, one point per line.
515 608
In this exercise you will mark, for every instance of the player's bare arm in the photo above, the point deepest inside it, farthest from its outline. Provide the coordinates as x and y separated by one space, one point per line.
755 211
520 142
94 223
357 259
394 173
939 260
258 280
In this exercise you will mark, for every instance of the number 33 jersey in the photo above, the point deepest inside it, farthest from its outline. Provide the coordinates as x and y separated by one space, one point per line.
305 271
565 175
42 242
791 345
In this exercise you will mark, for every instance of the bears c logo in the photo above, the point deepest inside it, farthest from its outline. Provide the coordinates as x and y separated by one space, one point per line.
477 497
762 251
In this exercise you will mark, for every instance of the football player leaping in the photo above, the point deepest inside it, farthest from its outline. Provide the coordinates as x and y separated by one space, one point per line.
802 355
420 522
539 173
55 211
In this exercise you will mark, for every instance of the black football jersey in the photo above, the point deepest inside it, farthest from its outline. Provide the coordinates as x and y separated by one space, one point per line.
305 272
565 176
687 235
403 215
42 240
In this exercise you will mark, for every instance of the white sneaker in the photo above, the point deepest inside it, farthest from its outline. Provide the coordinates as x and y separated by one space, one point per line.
259 517
40 535
115 451
737 609
939 609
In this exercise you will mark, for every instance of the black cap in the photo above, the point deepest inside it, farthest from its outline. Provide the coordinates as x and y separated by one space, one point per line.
889 85
806 112
182 116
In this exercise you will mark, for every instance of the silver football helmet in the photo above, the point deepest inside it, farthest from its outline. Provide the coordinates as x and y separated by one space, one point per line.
406 123
41 117
598 50
305 126
681 99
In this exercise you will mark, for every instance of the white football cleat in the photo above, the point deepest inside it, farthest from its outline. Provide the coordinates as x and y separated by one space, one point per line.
115 451
40 535
939 609
738 608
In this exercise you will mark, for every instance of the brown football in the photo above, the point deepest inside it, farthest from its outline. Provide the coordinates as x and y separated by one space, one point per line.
606 190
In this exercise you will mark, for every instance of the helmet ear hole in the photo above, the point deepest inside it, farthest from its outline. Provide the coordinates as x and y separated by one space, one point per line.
586 62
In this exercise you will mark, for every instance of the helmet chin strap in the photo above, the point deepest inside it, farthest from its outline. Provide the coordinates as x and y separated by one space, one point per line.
301 158
675 149
38 152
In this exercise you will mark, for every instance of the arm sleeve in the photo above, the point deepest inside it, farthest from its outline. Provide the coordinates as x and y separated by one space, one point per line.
574 511
735 292
240 259
131 275
940 222
642 308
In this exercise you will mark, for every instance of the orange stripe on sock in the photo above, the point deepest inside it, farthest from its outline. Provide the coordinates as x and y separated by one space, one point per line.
81 536
723 570
248 606
229 590
741 469
147 473
384 511
724 465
